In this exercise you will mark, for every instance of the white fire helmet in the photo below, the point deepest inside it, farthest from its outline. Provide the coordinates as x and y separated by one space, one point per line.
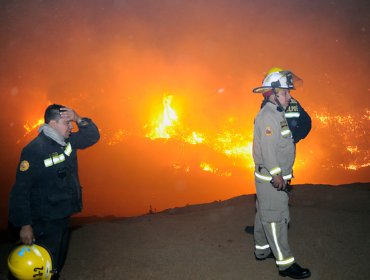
278 78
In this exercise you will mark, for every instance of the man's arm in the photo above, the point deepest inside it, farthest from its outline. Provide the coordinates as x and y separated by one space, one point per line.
19 199
87 134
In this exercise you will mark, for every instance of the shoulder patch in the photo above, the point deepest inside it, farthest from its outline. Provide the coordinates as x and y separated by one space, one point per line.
24 165
268 131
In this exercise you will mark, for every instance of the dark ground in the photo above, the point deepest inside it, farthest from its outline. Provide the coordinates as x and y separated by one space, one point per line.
328 234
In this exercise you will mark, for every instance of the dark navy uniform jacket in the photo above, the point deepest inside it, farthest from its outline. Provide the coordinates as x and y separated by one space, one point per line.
298 120
47 186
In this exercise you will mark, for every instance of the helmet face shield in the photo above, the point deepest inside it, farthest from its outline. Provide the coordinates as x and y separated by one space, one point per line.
283 79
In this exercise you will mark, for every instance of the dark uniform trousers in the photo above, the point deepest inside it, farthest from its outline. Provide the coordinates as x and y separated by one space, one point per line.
54 235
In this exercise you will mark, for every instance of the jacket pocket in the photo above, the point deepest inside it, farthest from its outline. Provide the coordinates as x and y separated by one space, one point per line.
58 197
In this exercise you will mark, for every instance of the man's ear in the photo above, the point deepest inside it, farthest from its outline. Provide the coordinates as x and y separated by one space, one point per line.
52 123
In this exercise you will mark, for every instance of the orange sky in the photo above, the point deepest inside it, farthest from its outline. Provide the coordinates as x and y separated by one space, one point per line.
114 61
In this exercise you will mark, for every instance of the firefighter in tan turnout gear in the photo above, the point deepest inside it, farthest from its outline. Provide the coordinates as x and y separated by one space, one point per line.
274 154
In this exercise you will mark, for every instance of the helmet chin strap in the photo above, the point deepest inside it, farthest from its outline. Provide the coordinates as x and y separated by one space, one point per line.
280 108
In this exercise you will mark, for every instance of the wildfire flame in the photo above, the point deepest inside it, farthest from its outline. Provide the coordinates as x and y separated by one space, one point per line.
29 127
164 125
229 143
350 134
350 137
205 166
195 138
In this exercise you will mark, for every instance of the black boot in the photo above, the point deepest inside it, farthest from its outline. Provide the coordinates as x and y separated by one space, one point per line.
295 271
249 229
269 256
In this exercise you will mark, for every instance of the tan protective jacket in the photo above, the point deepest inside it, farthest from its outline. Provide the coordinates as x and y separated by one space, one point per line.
273 147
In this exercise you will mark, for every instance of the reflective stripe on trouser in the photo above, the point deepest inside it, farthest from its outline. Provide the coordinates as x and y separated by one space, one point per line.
271 224
261 246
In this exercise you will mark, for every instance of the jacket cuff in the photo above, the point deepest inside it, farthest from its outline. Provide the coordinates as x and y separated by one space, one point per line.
275 171
84 122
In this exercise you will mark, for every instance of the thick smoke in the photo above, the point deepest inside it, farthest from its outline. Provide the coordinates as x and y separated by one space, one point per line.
114 61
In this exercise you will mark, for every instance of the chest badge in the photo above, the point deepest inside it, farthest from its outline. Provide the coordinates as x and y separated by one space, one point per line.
24 165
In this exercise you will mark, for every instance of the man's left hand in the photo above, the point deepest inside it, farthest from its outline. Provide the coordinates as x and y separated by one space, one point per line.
69 114
278 182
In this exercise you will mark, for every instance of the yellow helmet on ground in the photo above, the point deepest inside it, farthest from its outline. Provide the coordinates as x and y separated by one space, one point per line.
30 263
278 78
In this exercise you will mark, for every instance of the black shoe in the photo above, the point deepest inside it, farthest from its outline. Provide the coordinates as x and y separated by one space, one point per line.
249 229
269 256
295 271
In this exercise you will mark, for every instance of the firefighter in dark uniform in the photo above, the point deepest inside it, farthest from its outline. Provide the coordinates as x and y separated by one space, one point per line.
298 119
47 190
274 155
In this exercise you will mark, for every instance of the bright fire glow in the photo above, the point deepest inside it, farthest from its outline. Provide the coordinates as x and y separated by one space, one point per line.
237 147
205 166
352 149
29 127
164 125
229 143
117 137
350 138
195 138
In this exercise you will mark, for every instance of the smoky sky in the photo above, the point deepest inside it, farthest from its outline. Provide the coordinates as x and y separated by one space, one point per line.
112 60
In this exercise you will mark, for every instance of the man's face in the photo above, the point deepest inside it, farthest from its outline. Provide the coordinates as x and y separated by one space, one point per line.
283 95
62 126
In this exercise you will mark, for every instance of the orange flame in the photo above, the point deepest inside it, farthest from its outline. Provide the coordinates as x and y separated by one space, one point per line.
164 125
29 127
205 166
229 143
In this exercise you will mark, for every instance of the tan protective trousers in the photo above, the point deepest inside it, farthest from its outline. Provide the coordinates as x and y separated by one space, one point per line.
271 224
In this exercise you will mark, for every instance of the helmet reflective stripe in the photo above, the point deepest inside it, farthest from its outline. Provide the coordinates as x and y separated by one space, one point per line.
262 247
275 171
292 115
68 149
269 178
286 261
